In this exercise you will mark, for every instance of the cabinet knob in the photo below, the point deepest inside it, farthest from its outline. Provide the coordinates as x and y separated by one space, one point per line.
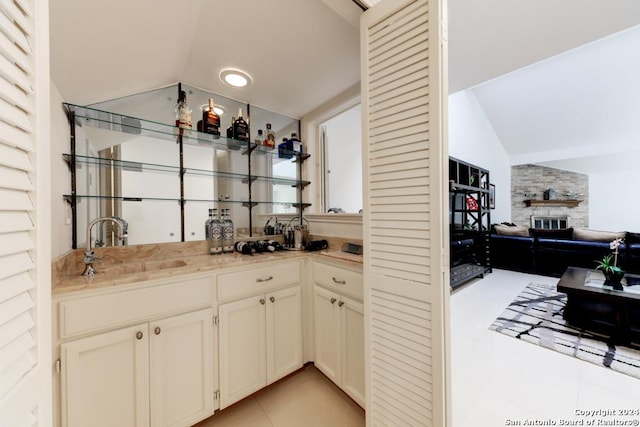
264 280
339 282
341 303
272 299
333 300
139 335
262 301
157 330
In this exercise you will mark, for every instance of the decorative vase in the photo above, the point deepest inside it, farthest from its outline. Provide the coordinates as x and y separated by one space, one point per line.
614 278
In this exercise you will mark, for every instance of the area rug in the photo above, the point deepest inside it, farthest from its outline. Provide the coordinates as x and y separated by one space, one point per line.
535 316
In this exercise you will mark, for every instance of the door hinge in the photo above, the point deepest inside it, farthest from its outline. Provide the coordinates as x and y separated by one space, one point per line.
215 320
58 366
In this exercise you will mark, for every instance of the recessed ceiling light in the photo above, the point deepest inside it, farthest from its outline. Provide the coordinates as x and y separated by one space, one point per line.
217 108
234 77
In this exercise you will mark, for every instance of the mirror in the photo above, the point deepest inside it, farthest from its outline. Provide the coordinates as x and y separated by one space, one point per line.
130 167
341 159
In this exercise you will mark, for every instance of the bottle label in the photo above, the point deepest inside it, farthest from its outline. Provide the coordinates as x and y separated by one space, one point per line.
211 123
241 131
227 232
184 118
216 233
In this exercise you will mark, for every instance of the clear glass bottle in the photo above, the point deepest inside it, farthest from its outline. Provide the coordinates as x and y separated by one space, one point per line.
183 112
227 232
259 139
207 225
296 144
215 235
270 141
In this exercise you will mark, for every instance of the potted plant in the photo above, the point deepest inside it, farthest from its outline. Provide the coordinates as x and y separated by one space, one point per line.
609 266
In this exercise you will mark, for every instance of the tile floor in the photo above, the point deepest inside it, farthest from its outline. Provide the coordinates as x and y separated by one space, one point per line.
496 380
306 398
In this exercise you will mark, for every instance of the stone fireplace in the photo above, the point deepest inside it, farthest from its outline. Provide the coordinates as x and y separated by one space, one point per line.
528 185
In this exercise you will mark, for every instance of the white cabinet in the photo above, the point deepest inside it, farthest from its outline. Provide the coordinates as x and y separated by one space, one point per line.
260 342
339 328
158 373
181 369
136 356
105 379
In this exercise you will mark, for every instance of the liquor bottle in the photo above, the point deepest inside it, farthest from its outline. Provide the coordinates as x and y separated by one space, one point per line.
285 149
270 141
230 133
215 235
210 120
241 128
232 142
266 246
259 139
227 232
246 248
183 112
296 144
207 225
276 245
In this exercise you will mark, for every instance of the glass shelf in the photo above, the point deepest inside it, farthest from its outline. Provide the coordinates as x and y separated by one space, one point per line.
68 197
142 167
183 168
92 117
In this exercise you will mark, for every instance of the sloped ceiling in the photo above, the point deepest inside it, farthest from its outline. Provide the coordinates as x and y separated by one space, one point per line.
299 53
583 103
302 53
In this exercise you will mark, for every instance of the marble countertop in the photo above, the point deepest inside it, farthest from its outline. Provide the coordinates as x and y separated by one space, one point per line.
125 272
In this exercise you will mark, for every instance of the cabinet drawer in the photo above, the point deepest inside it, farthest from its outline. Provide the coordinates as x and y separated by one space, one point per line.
257 280
95 313
341 280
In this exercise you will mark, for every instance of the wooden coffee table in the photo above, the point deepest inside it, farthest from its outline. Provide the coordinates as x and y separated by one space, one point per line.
601 309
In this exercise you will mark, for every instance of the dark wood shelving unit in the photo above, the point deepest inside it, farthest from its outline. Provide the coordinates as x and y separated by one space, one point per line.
469 221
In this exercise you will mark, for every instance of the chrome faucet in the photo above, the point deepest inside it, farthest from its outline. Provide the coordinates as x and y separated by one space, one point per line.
89 254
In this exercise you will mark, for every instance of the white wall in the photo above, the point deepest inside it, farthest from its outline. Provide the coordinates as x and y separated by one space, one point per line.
472 139
60 177
344 139
614 201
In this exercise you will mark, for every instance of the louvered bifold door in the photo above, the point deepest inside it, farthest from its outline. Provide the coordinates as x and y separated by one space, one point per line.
404 151
25 287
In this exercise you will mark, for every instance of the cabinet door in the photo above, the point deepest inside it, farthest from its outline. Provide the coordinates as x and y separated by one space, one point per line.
105 379
327 333
284 332
182 369
352 356
242 349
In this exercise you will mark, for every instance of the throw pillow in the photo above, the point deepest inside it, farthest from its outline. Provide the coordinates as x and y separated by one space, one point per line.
508 230
561 234
596 236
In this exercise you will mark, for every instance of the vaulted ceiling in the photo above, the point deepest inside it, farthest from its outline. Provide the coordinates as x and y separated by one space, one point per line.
302 53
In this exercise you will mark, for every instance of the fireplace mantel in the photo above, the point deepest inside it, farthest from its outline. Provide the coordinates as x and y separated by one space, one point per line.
572 203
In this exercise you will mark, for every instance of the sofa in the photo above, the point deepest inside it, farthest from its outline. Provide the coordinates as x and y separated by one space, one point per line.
550 252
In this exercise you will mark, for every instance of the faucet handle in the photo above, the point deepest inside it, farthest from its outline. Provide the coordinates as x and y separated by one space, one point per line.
90 257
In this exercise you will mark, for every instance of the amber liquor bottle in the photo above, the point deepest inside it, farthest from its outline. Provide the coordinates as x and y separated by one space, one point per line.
210 120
